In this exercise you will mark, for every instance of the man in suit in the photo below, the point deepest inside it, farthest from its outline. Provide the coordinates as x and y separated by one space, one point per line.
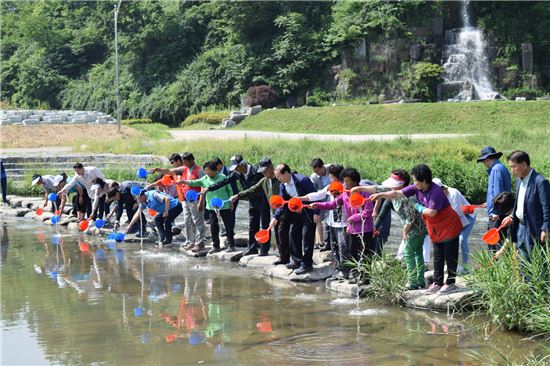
531 214
258 211
296 230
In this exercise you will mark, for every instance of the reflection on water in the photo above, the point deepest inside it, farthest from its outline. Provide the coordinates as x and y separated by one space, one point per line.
74 300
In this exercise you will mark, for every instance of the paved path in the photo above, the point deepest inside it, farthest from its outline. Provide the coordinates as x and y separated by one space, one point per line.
240 134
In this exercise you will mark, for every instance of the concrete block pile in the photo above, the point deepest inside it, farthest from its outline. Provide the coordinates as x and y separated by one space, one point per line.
46 117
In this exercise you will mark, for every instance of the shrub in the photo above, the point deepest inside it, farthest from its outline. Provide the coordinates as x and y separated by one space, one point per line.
211 118
421 79
514 294
527 92
387 278
319 98
136 121
262 95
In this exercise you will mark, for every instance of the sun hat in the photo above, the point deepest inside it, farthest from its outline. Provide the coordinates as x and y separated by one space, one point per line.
393 181
488 152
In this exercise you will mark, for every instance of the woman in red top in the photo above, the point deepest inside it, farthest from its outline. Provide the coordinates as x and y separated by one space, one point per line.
443 224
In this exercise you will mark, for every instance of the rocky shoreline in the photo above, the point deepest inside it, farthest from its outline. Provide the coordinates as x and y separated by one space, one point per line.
323 271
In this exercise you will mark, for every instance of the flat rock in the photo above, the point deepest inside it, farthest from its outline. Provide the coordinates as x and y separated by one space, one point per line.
256 261
321 257
320 272
459 300
227 257
18 212
32 203
16 202
342 287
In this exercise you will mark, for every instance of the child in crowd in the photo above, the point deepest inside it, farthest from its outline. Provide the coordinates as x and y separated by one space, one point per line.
360 224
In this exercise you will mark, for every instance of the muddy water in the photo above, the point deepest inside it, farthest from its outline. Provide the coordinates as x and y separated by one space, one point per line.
63 304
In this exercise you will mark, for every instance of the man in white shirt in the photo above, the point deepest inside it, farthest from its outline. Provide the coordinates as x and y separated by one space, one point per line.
51 184
84 176
531 214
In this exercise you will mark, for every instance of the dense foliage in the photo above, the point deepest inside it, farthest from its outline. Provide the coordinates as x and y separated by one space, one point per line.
181 57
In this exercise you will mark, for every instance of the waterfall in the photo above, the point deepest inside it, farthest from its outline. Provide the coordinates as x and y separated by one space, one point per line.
466 64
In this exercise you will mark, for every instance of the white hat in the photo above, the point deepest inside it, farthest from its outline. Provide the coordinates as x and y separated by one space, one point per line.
94 187
35 179
393 181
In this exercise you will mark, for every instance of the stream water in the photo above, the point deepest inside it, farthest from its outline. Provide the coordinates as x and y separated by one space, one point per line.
62 304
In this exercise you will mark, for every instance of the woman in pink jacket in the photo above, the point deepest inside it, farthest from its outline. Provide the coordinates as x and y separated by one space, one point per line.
360 224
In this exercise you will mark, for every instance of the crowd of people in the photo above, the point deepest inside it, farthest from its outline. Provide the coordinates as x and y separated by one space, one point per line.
348 215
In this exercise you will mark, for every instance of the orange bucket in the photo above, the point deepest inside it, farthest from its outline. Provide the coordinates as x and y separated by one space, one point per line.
57 212
467 210
264 327
356 200
262 236
166 180
83 225
84 247
276 201
295 205
491 237
152 212
336 187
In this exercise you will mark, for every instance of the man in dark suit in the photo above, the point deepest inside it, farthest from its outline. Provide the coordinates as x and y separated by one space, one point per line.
296 230
531 212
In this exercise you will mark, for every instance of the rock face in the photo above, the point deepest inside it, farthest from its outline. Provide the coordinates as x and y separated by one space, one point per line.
527 56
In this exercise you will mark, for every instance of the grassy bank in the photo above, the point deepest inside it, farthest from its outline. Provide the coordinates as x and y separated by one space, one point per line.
454 161
474 117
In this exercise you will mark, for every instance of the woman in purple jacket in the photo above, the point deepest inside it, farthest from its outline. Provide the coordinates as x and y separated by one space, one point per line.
360 224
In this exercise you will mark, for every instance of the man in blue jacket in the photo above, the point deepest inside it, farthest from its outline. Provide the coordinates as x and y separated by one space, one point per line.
295 229
531 213
499 181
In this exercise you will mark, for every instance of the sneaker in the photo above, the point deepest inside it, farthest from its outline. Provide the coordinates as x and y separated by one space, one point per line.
189 246
144 235
230 249
433 288
250 252
303 270
214 250
447 289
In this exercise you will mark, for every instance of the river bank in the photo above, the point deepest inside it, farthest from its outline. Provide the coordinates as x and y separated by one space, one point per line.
460 301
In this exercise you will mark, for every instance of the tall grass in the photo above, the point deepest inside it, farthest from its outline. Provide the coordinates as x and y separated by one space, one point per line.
514 293
386 278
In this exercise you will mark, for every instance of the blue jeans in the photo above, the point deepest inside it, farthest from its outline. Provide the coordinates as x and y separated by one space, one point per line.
464 235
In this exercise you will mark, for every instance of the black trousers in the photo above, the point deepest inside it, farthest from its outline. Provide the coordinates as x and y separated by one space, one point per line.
99 212
361 246
283 233
56 205
302 238
257 216
164 224
226 216
445 253
328 236
86 205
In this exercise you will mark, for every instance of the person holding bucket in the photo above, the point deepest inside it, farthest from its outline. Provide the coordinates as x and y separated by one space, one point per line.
167 208
414 230
269 185
499 181
50 183
296 229
530 218
184 168
360 225
443 224
258 208
212 177
336 219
